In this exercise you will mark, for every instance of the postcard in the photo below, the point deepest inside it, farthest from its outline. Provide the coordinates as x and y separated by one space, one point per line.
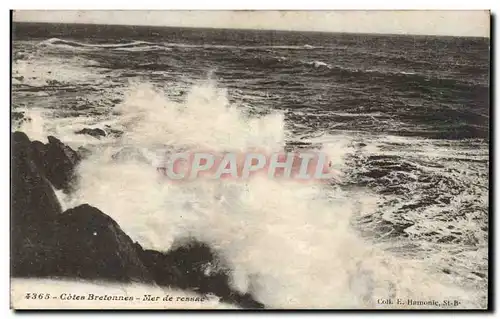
250 160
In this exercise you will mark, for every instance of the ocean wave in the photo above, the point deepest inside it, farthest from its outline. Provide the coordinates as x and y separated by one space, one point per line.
135 46
432 79
287 62
50 71
275 235
329 69
266 61
150 46
318 64
143 48
242 47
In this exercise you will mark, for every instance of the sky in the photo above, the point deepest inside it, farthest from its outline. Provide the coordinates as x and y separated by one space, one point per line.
422 22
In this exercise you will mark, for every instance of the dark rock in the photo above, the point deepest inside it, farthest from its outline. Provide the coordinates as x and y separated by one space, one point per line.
95 132
33 206
55 161
91 245
480 275
59 162
81 243
19 118
31 191
194 266
113 132
85 243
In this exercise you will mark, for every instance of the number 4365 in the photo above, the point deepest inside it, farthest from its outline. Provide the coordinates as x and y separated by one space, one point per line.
32 296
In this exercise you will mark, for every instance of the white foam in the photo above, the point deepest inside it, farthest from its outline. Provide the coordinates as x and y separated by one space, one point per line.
289 244
35 125
40 72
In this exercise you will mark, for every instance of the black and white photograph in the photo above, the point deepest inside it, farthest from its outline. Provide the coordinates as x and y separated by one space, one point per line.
168 159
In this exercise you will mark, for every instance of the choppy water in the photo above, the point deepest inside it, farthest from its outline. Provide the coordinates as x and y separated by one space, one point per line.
406 118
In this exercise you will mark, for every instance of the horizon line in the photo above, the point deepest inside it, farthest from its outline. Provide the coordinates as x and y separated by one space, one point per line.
256 29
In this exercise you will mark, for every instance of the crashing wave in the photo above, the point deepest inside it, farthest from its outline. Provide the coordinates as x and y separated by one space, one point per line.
75 45
303 246
318 64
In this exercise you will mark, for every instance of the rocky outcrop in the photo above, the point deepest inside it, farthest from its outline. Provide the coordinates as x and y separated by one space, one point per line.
112 132
19 118
91 245
83 242
94 132
98 133
55 161
59 162
34 207
194 266
32 194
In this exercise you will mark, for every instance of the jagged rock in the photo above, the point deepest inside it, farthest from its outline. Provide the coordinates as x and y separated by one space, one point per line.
92 245
59 162
194 266
18 118
81 243
113 132
480 275
54 160
31 191
34 206
85 243
94 132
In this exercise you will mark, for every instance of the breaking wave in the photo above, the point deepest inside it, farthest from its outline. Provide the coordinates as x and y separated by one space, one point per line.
289 244
148 46
130 46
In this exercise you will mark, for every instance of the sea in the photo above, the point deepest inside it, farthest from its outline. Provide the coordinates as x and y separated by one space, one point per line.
405 119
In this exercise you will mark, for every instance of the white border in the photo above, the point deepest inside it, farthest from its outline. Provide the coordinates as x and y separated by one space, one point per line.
254 5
